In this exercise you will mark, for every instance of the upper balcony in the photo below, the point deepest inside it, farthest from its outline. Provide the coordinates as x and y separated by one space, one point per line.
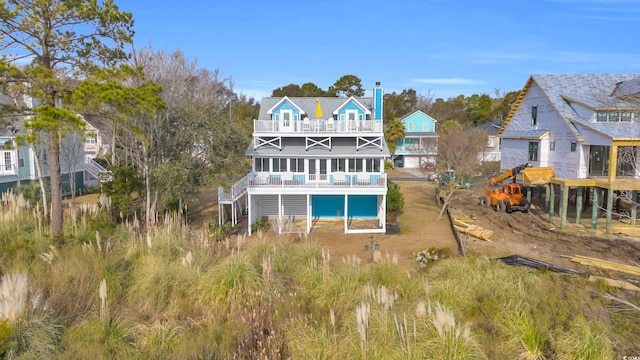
308 127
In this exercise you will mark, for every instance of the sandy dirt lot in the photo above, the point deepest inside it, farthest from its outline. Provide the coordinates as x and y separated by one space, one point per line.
529 234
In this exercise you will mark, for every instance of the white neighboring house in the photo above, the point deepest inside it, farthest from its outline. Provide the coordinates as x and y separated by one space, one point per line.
96 145
575 123
315 159
492 151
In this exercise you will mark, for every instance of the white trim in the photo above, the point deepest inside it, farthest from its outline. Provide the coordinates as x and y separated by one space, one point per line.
286 98
358 103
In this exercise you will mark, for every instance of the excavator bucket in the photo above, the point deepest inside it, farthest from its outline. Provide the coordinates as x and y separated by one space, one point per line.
537 175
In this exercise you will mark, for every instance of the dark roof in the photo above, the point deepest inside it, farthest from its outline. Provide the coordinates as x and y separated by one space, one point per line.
491 127
99 122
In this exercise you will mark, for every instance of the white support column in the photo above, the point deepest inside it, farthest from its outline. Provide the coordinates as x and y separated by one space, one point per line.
309 213
346 213
280 213
249 211
234 215
383 215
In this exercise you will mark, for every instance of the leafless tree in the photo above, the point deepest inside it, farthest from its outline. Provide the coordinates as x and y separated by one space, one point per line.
457 159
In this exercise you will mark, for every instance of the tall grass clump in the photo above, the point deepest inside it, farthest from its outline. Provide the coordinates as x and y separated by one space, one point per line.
94 339
31 331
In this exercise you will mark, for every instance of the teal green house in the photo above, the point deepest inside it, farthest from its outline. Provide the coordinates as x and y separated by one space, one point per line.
419 147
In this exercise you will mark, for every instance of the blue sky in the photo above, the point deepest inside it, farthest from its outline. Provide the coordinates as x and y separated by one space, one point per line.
446 47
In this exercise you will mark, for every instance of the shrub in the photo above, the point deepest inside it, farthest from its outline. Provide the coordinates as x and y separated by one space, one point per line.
261 225
218 232
124 185
395 199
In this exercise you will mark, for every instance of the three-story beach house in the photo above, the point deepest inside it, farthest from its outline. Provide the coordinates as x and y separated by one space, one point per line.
315 160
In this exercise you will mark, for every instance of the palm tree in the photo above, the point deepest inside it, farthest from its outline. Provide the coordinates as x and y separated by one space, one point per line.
395 132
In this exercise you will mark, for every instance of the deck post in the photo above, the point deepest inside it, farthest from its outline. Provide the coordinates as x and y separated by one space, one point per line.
346 213
587 197
309 213
564 204
609 209
578 204
280 213
594 207
249 219
547 193
552 201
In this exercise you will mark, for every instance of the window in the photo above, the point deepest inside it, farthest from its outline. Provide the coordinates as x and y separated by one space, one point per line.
625 116
614 116
410 127
295 117
279 165
262 164
296 165
20 158
573 146
7 161
338 165
355 165
552 146
342 117
534 115
286 117
92 139
425 127
601 116
276 117
351 115
372 165
360 116
533 151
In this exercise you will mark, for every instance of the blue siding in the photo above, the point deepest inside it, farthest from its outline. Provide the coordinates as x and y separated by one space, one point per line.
351 105
327 206
286 105
377 99
363 206
418 120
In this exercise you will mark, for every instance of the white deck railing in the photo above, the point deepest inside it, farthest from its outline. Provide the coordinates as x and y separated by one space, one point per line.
317 126
232 194
335 180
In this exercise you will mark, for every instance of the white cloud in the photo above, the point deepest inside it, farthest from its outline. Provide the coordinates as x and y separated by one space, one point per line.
448 81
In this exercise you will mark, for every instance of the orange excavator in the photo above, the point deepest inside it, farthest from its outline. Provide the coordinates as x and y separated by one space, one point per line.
506 197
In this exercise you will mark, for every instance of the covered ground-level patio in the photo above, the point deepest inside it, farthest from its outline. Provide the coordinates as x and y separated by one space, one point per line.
356 213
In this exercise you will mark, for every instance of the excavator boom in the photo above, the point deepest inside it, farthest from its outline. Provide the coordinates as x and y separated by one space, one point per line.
509 174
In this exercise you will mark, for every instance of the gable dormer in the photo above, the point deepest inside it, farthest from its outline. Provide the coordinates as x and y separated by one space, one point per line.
352 109
286 109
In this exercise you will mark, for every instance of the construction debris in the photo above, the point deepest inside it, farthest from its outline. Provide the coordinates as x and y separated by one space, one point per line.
462 223
520 260
472 230
624 302
604 264
615 283
459 215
